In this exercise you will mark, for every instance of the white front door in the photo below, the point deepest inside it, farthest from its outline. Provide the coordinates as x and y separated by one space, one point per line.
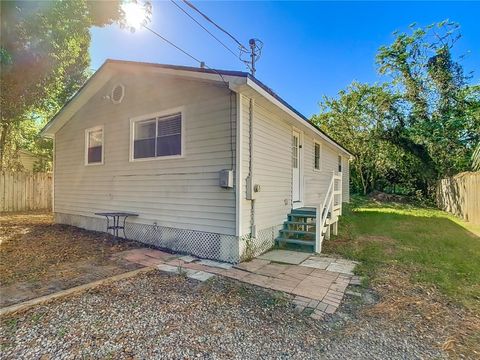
296 168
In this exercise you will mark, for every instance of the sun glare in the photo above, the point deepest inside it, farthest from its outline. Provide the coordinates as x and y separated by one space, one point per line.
135 14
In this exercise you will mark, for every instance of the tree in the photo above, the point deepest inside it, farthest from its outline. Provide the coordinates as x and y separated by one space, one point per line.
420 126
436 125
44 60
358 119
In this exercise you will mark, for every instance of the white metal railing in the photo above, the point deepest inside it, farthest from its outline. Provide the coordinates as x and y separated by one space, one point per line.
332 204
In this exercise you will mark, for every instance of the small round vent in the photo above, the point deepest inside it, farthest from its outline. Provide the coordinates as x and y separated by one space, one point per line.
118 92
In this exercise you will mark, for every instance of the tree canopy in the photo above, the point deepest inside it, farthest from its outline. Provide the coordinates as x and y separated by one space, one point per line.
419 125
44 59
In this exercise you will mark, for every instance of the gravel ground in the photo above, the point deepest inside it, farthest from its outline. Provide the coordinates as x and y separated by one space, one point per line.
156 315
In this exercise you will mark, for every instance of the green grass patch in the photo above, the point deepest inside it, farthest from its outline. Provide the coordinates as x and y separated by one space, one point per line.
433 247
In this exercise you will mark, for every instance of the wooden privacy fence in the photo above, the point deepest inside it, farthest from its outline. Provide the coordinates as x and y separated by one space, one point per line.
460 195
25 191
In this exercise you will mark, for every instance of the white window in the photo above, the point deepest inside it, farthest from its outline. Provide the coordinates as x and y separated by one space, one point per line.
157 137
317 156
94 146
339 163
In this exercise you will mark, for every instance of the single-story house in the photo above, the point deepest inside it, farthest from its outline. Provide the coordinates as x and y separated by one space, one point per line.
27 159
214 163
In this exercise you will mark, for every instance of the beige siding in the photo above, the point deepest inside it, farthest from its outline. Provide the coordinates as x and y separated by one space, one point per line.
27 160
272 139
271 167
178 193
317 181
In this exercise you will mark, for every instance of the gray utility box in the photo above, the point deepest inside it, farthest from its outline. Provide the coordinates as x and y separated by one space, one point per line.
252 188
226 179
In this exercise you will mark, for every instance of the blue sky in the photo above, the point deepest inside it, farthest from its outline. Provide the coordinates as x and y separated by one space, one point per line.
311 48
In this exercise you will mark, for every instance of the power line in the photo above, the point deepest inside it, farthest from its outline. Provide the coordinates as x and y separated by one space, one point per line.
204 28
202 63
215 24
255 50
172 44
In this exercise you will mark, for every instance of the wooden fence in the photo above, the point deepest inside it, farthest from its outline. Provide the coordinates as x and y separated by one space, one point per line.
24 191
460 195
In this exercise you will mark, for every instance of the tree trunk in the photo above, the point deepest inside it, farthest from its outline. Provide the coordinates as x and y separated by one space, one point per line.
3 140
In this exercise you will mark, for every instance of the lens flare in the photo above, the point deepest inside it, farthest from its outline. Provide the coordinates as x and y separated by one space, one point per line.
135 14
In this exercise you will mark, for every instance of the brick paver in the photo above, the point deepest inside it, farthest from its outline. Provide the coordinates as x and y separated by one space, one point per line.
317 290
252 265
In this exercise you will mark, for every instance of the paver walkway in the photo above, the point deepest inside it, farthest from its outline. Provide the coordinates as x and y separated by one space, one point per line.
317 284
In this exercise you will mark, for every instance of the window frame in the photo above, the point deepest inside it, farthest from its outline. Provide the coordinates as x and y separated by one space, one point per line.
316 142
340 164
87 136
156 115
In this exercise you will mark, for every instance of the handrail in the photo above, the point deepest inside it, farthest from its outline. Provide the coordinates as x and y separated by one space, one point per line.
327 207
322 215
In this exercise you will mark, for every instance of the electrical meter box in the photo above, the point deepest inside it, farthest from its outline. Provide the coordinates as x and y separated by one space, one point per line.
226 179
252 188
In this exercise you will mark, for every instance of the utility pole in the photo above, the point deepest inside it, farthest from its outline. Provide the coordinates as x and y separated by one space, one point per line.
252 44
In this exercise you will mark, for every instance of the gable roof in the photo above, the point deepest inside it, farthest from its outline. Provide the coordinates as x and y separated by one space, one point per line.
232 78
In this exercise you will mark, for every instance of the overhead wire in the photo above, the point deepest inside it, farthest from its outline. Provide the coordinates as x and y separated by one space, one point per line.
202 63
215 24
242 49
204 28
256 52
172 44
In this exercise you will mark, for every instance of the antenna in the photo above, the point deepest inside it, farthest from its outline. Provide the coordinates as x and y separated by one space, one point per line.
256 47
252 44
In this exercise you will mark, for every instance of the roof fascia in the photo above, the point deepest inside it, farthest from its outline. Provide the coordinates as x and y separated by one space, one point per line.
259 89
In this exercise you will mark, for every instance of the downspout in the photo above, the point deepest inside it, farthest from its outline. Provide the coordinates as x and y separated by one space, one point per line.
250 182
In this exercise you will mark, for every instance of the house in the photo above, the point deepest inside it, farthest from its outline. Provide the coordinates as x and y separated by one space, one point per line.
27 159
215 163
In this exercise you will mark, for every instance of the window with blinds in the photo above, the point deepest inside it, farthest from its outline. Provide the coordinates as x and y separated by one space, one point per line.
157 137
94 146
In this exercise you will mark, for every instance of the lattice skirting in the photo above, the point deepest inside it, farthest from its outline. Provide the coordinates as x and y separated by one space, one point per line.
265 240
199 243
203 244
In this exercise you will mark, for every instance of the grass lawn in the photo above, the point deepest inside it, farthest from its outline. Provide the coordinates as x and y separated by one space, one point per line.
434 247
422 261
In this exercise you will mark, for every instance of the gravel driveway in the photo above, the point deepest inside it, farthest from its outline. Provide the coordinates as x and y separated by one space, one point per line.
156 315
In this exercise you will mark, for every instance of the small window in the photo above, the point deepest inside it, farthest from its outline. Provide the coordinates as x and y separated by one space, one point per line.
339 163
94 146
295 151
157 137
317 155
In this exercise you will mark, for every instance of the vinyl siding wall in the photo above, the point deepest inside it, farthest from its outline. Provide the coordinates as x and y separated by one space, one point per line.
317 181
272 146
246 204
271 167
179 192
27 161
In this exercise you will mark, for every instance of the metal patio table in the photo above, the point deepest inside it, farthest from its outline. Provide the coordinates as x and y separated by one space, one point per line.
115 218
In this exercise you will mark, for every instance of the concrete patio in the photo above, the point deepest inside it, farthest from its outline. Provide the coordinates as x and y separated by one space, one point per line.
316 283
